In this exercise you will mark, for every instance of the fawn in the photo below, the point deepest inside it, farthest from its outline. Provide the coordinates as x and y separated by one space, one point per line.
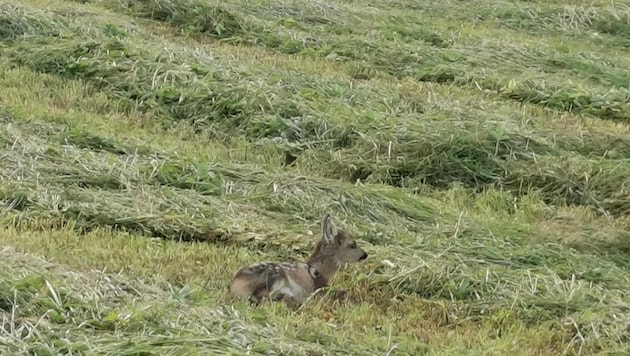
293 282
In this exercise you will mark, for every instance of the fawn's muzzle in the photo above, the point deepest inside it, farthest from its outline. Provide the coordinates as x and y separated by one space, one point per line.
363 256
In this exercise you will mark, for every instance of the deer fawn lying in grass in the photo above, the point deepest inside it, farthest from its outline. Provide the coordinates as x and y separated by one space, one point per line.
293 282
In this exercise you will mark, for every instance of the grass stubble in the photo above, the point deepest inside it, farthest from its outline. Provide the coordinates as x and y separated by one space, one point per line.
480 153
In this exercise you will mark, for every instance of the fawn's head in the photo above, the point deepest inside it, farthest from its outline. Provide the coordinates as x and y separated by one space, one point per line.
336 245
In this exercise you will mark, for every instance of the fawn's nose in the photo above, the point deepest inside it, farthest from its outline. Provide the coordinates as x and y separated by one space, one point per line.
363 256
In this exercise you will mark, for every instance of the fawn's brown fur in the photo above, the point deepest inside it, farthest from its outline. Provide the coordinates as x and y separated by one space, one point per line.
293 282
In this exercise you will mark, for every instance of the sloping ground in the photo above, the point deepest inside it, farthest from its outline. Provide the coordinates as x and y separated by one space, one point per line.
479 152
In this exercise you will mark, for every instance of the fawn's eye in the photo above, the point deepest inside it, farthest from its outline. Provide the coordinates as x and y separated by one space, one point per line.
353 245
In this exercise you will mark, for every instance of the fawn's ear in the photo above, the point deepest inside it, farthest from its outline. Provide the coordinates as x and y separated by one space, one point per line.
329 229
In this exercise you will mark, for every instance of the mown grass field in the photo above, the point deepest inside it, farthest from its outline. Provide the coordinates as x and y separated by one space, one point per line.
479 151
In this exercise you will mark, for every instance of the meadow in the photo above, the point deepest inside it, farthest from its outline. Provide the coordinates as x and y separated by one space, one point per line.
479 151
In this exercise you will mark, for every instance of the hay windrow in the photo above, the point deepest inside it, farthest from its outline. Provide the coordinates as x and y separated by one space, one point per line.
190 16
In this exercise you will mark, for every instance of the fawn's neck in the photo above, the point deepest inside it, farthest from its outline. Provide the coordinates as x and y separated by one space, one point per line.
326 268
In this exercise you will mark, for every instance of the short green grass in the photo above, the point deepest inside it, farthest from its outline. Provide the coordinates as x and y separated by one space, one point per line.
479 151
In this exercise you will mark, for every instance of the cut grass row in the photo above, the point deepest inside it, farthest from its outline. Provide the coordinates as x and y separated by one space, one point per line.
502 162
430 152
604 21
464 64
101 308
167 196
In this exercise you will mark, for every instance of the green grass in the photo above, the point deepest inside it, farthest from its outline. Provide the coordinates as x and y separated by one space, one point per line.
478 151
